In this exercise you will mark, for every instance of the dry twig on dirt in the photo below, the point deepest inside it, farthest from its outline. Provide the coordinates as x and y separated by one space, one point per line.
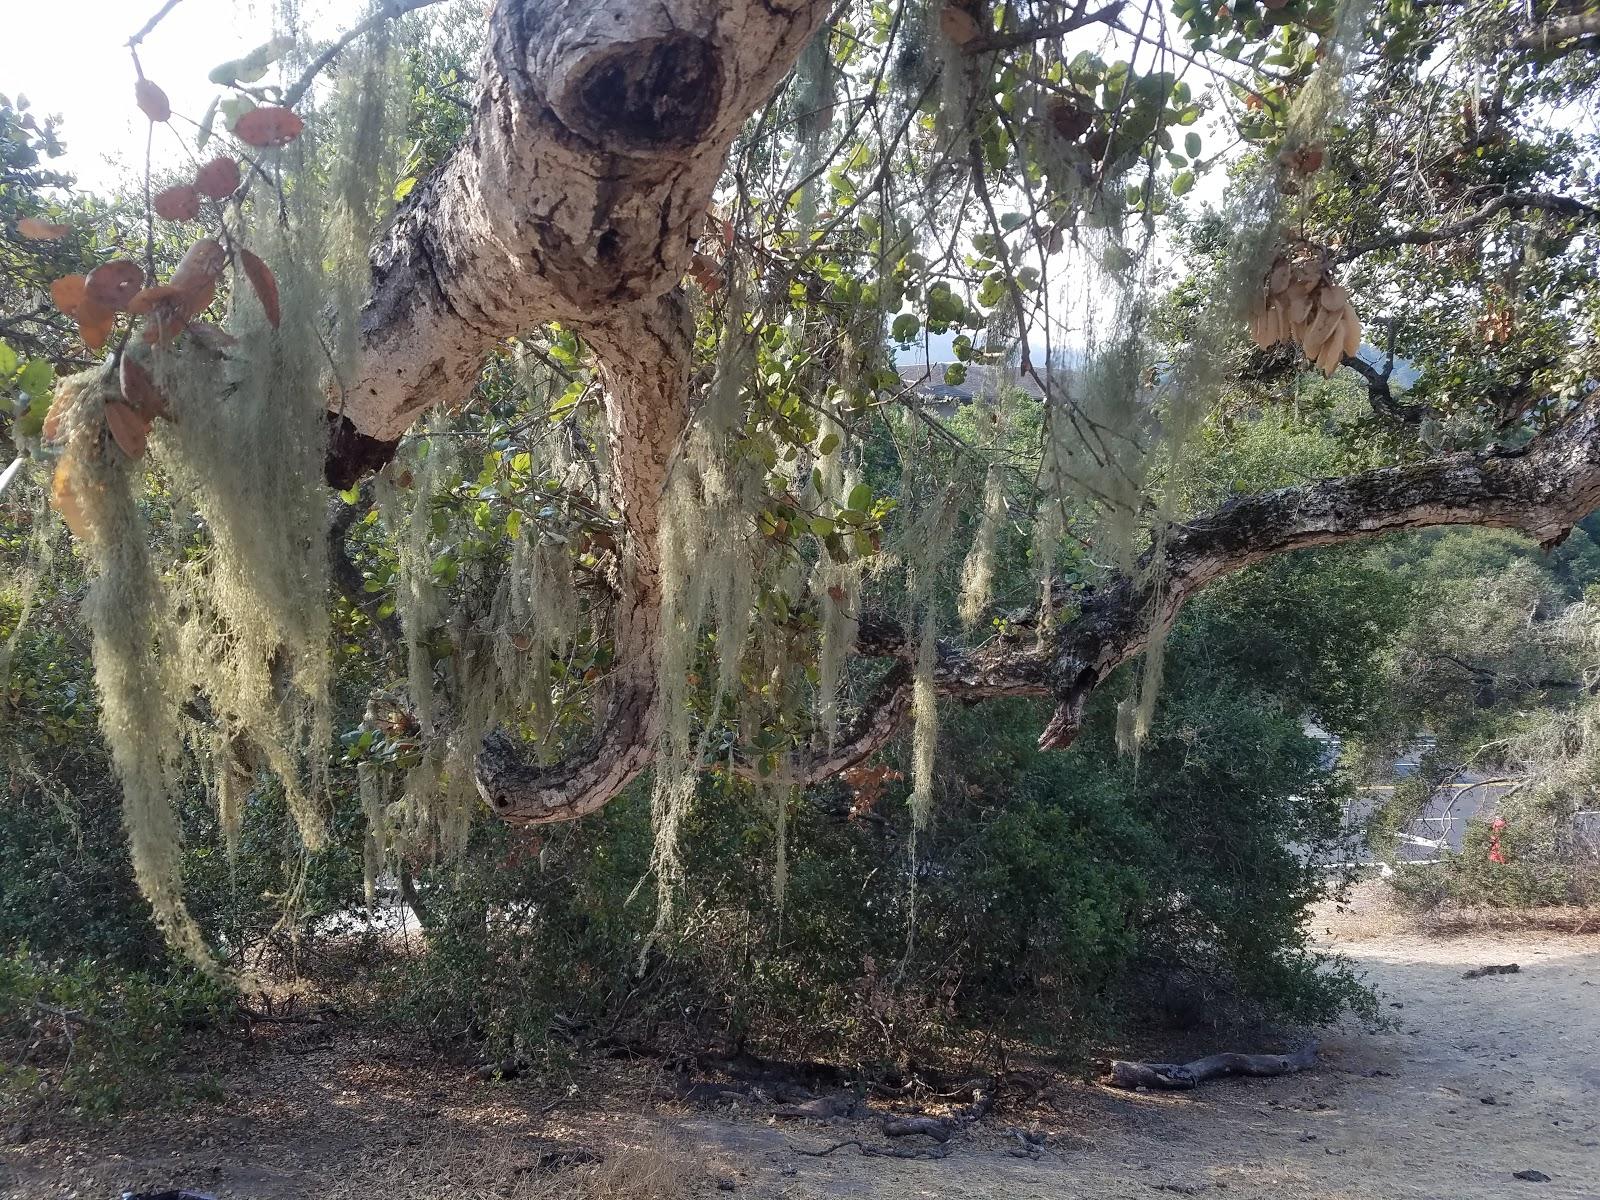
1175 1076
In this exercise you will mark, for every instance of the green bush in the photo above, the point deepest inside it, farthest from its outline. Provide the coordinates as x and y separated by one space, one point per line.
102 1040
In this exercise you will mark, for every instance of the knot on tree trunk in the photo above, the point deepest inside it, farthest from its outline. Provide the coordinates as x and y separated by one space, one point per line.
644 97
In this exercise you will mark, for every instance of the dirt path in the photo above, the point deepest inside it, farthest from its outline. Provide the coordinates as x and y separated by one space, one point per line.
1481 1078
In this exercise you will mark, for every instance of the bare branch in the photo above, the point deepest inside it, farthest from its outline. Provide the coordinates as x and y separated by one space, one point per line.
149 26
393 10
1028 34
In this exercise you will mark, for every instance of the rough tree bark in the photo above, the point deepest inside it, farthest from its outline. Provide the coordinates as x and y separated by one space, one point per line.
599 132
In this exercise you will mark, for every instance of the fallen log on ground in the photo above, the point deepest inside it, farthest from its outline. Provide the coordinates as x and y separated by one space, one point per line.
871 1151
1179 1076
1493 969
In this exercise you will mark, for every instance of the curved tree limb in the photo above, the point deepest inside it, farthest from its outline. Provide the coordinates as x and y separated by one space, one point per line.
599 132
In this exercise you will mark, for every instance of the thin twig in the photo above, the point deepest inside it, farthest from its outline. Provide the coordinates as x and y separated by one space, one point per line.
146 29
391 11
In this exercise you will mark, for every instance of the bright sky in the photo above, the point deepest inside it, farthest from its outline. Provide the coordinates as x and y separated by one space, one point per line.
70 58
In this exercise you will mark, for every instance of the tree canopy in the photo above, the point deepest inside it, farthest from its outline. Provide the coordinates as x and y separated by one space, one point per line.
605 371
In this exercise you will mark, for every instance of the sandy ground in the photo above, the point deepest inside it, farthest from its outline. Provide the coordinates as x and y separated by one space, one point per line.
1478 1079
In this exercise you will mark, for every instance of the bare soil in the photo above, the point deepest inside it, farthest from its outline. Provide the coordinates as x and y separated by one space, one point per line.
1478 1079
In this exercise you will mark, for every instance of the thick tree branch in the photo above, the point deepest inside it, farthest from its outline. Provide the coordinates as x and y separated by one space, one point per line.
1541 490
1554 34
1560 206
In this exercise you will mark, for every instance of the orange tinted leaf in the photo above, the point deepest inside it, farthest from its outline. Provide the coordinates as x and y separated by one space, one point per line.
146 301
152 101
129 430
95 322
139 390
180 203
68 293
267 126
36 230
64 496
707 272
219 178
958 24
111 285
265 285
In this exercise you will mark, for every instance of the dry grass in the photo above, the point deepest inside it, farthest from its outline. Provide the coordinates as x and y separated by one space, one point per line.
1466 922
516 1168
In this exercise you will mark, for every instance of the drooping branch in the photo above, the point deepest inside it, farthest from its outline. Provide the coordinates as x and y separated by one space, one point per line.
1541 490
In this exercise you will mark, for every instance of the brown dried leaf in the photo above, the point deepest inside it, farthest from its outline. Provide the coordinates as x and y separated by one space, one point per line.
68 293
1071 121
181 203
958 24
268 126
111 285
707 273
139 390
147 300
152 101
95 322
35 230
266 287
129 430
219 178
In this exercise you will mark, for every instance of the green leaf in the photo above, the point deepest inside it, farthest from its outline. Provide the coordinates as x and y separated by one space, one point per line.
906 326
37 378
829 444
235 107
31 423
860 498
206 123
513 523
403 188
8 361
1183 182
821 526
1191 144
